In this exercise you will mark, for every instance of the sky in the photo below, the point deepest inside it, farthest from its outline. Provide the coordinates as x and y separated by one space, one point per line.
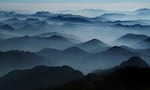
49 5
69 1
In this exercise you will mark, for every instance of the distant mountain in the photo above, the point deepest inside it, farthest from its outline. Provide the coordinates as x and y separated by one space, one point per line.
114 16
6 27
35 43
11 20
144 52
74 50
42 14
116 50
68 18
145 44
93 46
143 11
69 52
76 57
129 22
49 52
35 27
38 77
12 14
11 60
130 39
119 53
69 56
41 22
7 14
28 25
84 12
135 26
15 22
32 20
71 38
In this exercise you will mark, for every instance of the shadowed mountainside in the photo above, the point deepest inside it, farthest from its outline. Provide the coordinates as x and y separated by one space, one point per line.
38 77
130 77
12 60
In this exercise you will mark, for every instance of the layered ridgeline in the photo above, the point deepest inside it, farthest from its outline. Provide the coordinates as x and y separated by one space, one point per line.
131 74
13 24
63 49
93 46
130 39
35 43
84 43
80 59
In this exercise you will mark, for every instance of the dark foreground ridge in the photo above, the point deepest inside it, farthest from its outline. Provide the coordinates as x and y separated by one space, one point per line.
38 77
133 74
129 77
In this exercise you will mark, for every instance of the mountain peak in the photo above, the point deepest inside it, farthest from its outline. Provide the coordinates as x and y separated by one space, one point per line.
134 36
96 41
143 9
134 62
116 48
43 14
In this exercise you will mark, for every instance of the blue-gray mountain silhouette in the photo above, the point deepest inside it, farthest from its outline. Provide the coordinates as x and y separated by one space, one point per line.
6 27
93 46
145 44
130 39
30 43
